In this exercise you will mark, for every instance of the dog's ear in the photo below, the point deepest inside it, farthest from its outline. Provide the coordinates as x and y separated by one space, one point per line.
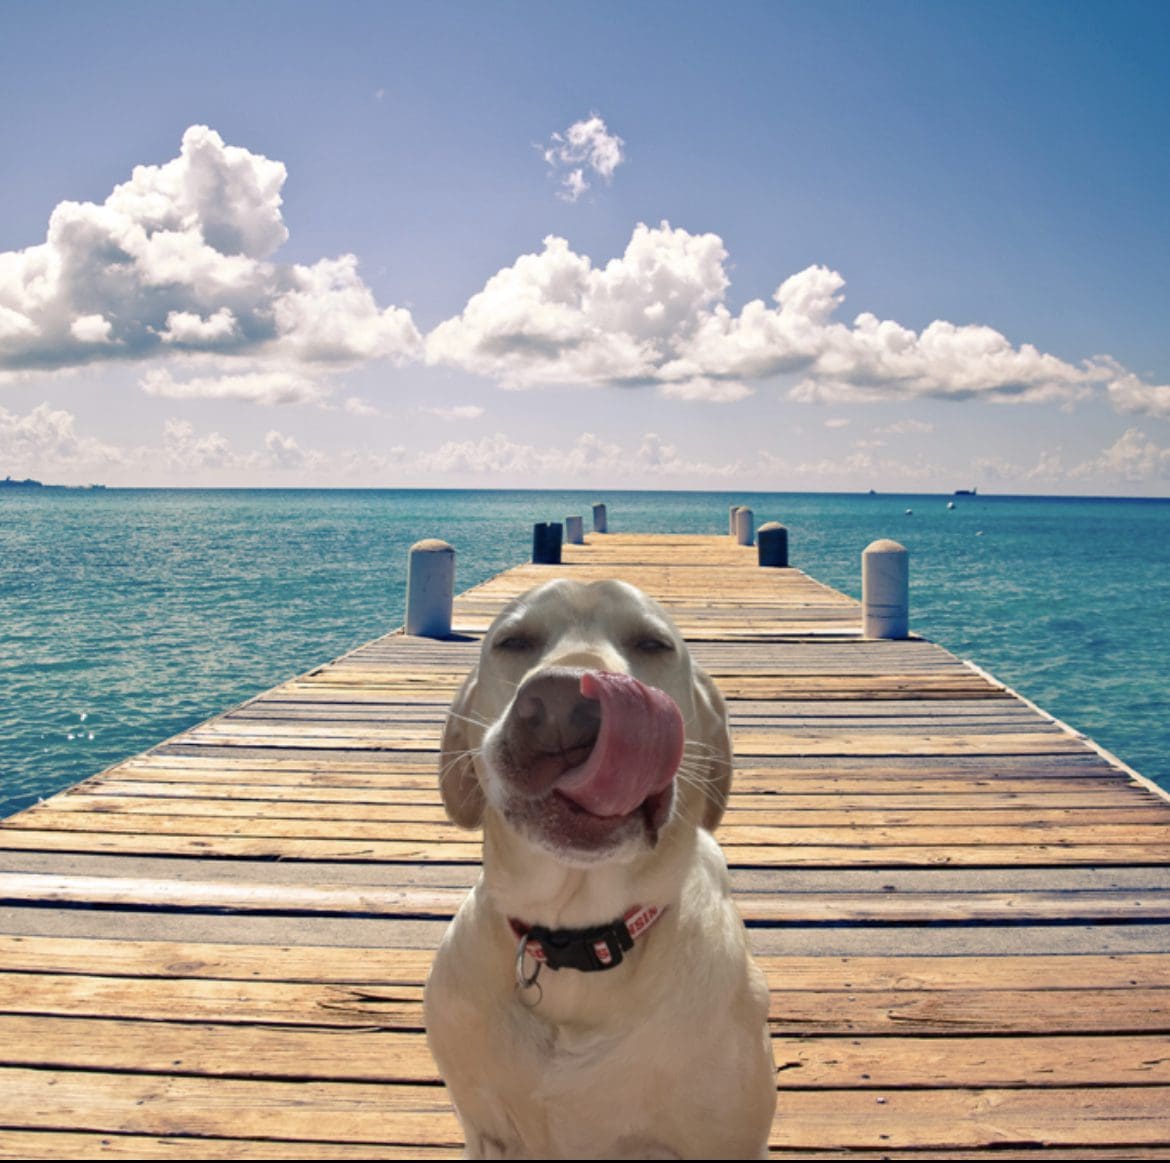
714 761
459 785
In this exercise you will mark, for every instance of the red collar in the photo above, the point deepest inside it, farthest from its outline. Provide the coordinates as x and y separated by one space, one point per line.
599 947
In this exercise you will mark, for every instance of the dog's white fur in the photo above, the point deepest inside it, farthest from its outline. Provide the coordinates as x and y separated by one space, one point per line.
666 1055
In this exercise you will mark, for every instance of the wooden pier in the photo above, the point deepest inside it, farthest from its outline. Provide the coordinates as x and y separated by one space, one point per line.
217 949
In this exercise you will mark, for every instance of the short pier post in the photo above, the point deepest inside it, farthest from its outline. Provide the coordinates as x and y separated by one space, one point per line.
772 544
600 518
731 512
546 543
885 590
430 589
574 531
744 525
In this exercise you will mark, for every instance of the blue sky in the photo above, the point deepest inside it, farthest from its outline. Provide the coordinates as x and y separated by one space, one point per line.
902 246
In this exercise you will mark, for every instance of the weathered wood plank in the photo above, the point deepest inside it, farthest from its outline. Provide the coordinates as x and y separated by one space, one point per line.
803 908
845 1063
399 1007
157 1104
361 965
368 1054
53 1144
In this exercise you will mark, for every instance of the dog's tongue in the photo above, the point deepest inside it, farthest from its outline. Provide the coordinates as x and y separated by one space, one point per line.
638 748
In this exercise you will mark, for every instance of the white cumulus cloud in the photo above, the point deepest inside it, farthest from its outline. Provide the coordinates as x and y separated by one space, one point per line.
555 318
187 329
46 439
179 258
657 316
589 457
1133 457
587 146
1128 394
456 412
262 385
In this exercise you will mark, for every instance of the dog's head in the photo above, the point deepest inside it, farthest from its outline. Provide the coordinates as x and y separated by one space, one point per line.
586 725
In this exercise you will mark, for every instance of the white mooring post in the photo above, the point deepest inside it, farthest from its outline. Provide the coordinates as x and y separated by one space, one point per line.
430 589
745 528
574 531
600 519
885 590
731 512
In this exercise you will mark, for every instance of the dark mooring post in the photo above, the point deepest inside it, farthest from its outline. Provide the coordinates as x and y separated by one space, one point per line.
772 544
546 543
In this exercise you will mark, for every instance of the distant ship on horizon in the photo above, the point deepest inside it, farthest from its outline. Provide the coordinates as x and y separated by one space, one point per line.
966 492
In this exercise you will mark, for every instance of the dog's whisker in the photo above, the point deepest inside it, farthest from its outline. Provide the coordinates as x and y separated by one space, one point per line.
474 720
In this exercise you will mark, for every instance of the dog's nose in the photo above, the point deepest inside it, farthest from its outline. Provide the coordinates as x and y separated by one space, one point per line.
552 727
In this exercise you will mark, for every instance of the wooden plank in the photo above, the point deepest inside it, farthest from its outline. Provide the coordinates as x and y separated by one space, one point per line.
763 812
1069 796
360 1054
1022 1011
1031 830
869 1063
53 1144
399 1007
859 851
154 1104
361 965
803 908
368 1054
358 1112
962 1120
396 1007
250 897
243 961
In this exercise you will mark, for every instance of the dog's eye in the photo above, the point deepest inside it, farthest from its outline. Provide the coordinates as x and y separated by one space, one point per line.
652 644
516 643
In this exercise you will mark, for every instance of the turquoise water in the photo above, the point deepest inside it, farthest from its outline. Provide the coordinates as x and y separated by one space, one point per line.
127 616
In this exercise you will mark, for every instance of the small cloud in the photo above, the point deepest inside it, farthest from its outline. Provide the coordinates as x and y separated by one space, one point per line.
356 406
91 329
188 329
1129 395
285 452
837 422
263 386
710 391
1133 457
47 438
585 145
185 451
456 412
906 428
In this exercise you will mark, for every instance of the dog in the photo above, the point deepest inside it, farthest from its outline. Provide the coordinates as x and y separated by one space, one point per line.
594 996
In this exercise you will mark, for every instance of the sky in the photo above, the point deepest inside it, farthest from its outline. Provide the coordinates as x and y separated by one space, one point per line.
832 246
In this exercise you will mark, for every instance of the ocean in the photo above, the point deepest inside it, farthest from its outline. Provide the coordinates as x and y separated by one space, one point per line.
128 615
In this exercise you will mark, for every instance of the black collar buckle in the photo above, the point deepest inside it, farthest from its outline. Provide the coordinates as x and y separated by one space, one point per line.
588 950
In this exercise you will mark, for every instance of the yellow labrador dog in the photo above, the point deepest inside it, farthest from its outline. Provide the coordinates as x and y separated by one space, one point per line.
595 997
